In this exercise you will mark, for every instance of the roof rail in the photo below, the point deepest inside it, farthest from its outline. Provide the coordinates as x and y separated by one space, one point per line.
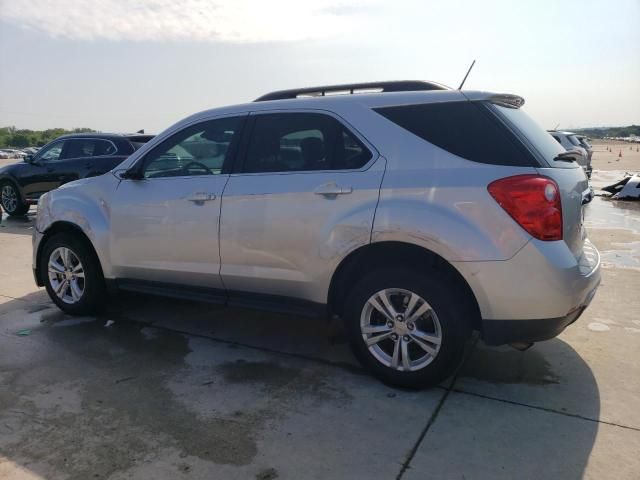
351 88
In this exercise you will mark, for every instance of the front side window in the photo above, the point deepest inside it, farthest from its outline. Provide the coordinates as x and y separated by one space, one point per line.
299 142
51 153
201 149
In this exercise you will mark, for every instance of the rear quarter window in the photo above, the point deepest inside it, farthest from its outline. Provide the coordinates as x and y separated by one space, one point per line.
466 129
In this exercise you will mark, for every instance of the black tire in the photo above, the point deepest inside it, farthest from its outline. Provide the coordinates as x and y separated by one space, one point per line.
94 294
448 301
14 210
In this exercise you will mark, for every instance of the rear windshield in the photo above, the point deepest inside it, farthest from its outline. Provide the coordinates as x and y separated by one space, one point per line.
468 130
538 138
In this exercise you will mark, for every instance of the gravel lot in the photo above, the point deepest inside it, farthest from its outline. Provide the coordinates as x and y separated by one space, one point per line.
184 390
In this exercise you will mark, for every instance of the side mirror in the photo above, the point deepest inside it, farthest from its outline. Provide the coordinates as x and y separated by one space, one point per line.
28 158
131 174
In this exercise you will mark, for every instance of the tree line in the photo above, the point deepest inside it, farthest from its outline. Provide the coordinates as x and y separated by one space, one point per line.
12 137
601 132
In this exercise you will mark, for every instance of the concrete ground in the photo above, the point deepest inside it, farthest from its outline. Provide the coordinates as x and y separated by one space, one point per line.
164 389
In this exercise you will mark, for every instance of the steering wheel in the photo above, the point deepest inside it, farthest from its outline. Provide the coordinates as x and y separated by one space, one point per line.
198 165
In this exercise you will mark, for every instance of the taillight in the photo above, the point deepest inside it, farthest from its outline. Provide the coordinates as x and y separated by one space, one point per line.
533 201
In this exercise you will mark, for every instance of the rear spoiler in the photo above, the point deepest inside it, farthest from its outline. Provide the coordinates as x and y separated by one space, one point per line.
507 100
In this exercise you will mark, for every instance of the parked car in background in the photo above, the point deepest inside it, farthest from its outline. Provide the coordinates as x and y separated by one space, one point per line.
13 153
416 214
570 142
584 143
67 158
4 155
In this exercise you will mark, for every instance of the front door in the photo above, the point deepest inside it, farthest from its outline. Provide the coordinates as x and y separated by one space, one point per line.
165 225
44 171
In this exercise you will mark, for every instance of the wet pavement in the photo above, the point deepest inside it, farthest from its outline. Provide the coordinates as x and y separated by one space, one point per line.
173 389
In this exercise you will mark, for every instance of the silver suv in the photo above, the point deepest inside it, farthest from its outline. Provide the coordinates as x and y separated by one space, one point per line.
414 212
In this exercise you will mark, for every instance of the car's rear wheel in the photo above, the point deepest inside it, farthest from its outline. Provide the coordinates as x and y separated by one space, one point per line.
72 274
11 201
408 328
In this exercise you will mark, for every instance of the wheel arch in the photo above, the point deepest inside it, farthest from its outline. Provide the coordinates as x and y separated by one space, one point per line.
392 253
63 227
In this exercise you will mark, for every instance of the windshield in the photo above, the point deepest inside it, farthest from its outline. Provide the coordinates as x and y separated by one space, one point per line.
539 138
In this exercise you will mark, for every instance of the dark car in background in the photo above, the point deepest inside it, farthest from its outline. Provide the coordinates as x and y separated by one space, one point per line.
63 160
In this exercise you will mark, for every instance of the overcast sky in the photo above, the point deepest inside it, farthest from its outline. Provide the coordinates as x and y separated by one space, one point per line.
117 65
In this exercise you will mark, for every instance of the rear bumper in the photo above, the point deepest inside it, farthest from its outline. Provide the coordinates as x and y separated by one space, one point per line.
500 332
534 295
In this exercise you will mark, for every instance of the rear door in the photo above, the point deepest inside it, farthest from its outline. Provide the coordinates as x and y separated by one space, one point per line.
43 174
305 194
89 157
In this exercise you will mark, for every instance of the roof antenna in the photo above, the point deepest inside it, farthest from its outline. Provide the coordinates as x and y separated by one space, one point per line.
465 77
556 127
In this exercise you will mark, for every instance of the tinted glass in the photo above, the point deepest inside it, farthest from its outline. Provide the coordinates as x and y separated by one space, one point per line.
51 153
465 129
285 142
539 138
573 140
138 141
201 149
91 147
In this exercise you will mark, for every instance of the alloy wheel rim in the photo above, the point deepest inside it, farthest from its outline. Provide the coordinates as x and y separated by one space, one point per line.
9 198
400 329
66 275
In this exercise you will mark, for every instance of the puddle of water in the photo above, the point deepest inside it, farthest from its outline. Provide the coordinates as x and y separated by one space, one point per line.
612 214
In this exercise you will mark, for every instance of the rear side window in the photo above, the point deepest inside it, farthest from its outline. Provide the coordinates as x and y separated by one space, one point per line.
465 129
91 147
299 142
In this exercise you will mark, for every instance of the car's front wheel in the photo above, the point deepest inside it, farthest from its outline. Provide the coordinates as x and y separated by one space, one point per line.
72 274
11 201
408 328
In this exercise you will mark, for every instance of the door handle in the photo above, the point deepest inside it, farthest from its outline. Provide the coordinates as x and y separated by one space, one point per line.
201 197
332 189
